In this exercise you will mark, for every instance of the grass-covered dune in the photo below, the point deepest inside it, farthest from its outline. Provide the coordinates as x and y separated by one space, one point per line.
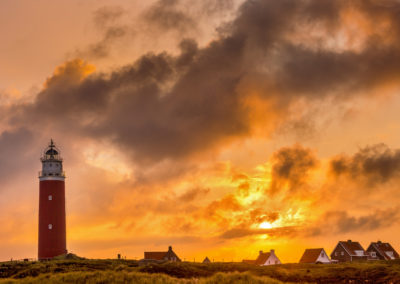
129 271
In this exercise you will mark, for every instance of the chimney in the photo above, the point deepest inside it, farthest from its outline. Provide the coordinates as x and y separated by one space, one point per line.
261 252
272 252
170 248
379 242
349 241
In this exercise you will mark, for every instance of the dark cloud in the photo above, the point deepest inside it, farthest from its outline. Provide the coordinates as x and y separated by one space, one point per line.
259 215
107 15
165 107
211 7
15 153
165 15
107 21
290 168
192 194
375 164
110 35
342 222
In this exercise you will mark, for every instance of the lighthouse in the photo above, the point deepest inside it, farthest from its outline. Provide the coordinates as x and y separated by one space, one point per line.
52 225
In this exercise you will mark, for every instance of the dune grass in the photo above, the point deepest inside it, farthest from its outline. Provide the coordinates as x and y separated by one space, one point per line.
142 278
130 271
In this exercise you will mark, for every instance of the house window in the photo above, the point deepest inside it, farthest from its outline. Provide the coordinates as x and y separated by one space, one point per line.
373 254
359 252
335 253
390 254
50 226
50 197
342 253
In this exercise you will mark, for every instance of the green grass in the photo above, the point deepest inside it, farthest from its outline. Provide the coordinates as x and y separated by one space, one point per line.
130 271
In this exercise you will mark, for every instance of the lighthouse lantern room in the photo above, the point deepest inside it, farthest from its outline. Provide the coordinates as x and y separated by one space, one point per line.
52 224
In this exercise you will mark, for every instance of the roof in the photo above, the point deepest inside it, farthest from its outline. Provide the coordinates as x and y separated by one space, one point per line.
383 248
351 247
311 255
262 258
206 260
249 261
156 255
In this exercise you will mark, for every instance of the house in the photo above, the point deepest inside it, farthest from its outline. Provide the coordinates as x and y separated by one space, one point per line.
206 260
317 255
161 255
381 251
348 251
264 258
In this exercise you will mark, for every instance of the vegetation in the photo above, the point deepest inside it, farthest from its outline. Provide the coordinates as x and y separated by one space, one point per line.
137 277
130 271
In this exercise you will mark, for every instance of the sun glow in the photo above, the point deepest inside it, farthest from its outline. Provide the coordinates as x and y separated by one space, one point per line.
265 225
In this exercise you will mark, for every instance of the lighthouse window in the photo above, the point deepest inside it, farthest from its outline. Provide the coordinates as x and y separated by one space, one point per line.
50 226
50 197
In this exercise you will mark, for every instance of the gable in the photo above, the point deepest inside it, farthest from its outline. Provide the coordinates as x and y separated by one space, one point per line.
314 256
262 258
350 248
385 250
323 257
171 255
340 250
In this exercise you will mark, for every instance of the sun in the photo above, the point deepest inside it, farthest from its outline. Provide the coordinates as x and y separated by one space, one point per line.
265 225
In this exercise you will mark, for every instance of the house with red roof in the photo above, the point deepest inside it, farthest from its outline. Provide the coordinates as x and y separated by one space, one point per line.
169 255
264 258
381 251
348 251
316 255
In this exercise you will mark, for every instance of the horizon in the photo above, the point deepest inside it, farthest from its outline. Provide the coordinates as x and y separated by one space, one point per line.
219 128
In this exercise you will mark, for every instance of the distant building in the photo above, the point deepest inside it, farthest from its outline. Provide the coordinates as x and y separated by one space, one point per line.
381 251
206 260
317 255
249 261
264 258
169 255
349 251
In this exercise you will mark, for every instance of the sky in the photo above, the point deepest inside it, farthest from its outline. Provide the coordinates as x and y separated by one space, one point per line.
219 127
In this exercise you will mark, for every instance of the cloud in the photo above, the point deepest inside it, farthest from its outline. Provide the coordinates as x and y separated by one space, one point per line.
107 21
290 167
272 233
340 222
192 194
15 154
374 164
172 107
165 15
374 221
107 15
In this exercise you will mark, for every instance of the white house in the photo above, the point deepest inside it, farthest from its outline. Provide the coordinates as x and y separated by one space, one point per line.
267 258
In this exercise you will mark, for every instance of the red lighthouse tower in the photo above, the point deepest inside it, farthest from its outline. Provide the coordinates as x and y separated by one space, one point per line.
52 227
